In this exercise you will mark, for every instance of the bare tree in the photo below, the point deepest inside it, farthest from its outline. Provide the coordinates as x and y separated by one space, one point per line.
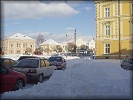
28 50
39 49
40 39
71 47
57 48
47 50
83 47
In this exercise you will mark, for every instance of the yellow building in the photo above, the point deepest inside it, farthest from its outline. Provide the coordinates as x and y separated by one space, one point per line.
114 28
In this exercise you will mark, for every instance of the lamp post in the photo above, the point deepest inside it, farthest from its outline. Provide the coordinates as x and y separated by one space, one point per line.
75 41
66 46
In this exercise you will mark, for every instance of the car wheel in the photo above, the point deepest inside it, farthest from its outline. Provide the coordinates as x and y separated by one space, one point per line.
40 78
18 85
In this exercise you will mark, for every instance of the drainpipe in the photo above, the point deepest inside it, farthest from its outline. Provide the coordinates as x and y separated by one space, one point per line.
119 29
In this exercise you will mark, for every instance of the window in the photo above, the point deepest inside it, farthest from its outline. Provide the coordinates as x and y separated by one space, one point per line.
18 51
107 30
6 62
11 45
3 70
12 62
107 48
47 62
132 9
29 63
42 63
107 12
17 44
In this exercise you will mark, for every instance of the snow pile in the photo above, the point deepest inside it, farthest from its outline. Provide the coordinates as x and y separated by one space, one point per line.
82 79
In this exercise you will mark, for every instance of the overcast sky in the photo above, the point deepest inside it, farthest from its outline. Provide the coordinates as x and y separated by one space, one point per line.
51 19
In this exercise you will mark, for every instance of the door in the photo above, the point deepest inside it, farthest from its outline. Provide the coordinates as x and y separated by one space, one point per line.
6 83
50 68
43 68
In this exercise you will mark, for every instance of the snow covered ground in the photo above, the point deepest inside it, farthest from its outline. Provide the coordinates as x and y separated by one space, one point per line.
82 79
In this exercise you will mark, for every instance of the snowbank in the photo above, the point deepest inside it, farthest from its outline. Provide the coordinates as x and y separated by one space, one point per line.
82 79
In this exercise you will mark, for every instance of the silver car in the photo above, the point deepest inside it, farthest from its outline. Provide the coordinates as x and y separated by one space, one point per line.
127 63
35 68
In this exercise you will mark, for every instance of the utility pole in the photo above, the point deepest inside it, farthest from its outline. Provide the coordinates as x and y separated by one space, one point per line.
75 37
75 42
119 29
66 46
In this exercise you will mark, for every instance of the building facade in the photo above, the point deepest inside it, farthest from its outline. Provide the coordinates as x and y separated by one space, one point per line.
114 28
49 46
17 44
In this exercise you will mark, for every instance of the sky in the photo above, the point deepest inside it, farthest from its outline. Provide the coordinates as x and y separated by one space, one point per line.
82 79
52 19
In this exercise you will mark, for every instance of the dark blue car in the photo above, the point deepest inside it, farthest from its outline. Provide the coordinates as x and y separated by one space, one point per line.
58 61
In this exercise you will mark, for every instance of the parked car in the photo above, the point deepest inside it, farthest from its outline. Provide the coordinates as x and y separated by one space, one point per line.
23 57
7 62
35 68
58 61
38 53
127 63
11 80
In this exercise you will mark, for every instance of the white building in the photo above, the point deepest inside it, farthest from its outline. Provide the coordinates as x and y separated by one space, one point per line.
17 44
92 44
80 42
48 46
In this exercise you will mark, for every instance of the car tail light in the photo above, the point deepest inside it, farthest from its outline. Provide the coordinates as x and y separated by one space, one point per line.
32 71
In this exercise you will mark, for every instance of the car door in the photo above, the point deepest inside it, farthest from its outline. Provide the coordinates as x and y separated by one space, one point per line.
43 68
6 83
49 67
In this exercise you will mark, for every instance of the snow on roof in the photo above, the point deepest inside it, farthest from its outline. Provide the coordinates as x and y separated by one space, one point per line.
19 36
50 41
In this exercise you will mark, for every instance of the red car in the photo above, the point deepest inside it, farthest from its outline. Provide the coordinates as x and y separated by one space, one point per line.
11 80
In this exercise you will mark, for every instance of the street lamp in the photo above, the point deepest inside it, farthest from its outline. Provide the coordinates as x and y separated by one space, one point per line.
75 41
66 46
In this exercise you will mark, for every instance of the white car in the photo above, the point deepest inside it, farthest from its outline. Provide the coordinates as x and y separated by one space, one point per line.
35 68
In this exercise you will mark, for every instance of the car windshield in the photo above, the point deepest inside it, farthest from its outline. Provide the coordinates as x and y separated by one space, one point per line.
28 63
55 59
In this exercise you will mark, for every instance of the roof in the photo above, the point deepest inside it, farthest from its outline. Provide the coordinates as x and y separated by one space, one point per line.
49 41
20 36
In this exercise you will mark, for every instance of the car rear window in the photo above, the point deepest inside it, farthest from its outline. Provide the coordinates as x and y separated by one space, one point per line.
28 63
59 59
